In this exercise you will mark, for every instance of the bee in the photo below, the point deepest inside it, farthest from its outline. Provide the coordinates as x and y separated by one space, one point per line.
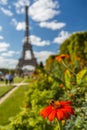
52 102
55 104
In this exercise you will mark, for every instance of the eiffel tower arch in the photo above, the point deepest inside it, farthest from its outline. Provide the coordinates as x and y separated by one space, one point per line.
27 58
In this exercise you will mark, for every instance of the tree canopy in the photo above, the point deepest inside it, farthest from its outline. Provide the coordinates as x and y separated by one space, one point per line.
76 47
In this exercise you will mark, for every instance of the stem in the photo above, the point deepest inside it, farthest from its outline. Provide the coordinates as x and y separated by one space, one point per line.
72 71
68 68
60 125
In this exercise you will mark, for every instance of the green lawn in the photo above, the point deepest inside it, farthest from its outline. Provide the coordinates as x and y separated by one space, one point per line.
18 79
11 106
28 79
4 90
2 82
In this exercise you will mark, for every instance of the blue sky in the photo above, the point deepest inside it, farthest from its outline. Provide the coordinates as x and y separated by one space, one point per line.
50 23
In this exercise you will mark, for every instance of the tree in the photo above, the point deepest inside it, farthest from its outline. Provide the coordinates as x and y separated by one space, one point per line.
76 47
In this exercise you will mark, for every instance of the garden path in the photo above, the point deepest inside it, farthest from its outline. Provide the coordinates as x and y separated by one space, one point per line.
17 85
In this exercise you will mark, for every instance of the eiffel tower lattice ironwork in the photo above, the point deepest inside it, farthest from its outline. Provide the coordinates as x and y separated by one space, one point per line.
28 57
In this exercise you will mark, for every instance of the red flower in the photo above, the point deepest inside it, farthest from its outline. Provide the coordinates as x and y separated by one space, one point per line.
60 110
62 56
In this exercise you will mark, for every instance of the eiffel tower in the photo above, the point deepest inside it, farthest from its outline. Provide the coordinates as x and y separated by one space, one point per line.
27 57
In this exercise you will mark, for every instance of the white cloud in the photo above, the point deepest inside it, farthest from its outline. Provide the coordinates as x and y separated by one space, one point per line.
7 60
8 63
0 28
3 2
9 53
6 12
37 41
63 35
19 25
52 25
19 6
42 55
28 67
1 37
42 10
4 46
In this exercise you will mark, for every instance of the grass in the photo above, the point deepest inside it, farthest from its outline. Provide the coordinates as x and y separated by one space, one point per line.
28 79
11 106
2 82
18 79
4 90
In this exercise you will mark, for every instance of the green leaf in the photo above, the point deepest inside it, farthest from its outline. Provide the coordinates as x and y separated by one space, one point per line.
67 78
81 77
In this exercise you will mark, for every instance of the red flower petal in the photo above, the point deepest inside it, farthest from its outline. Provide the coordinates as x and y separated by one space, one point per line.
63 103
60 115
52 115
69 110
46 111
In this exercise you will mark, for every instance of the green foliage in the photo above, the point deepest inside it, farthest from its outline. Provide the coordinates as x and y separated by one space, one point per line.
67 79
41 91
76 46
57 81
81 77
